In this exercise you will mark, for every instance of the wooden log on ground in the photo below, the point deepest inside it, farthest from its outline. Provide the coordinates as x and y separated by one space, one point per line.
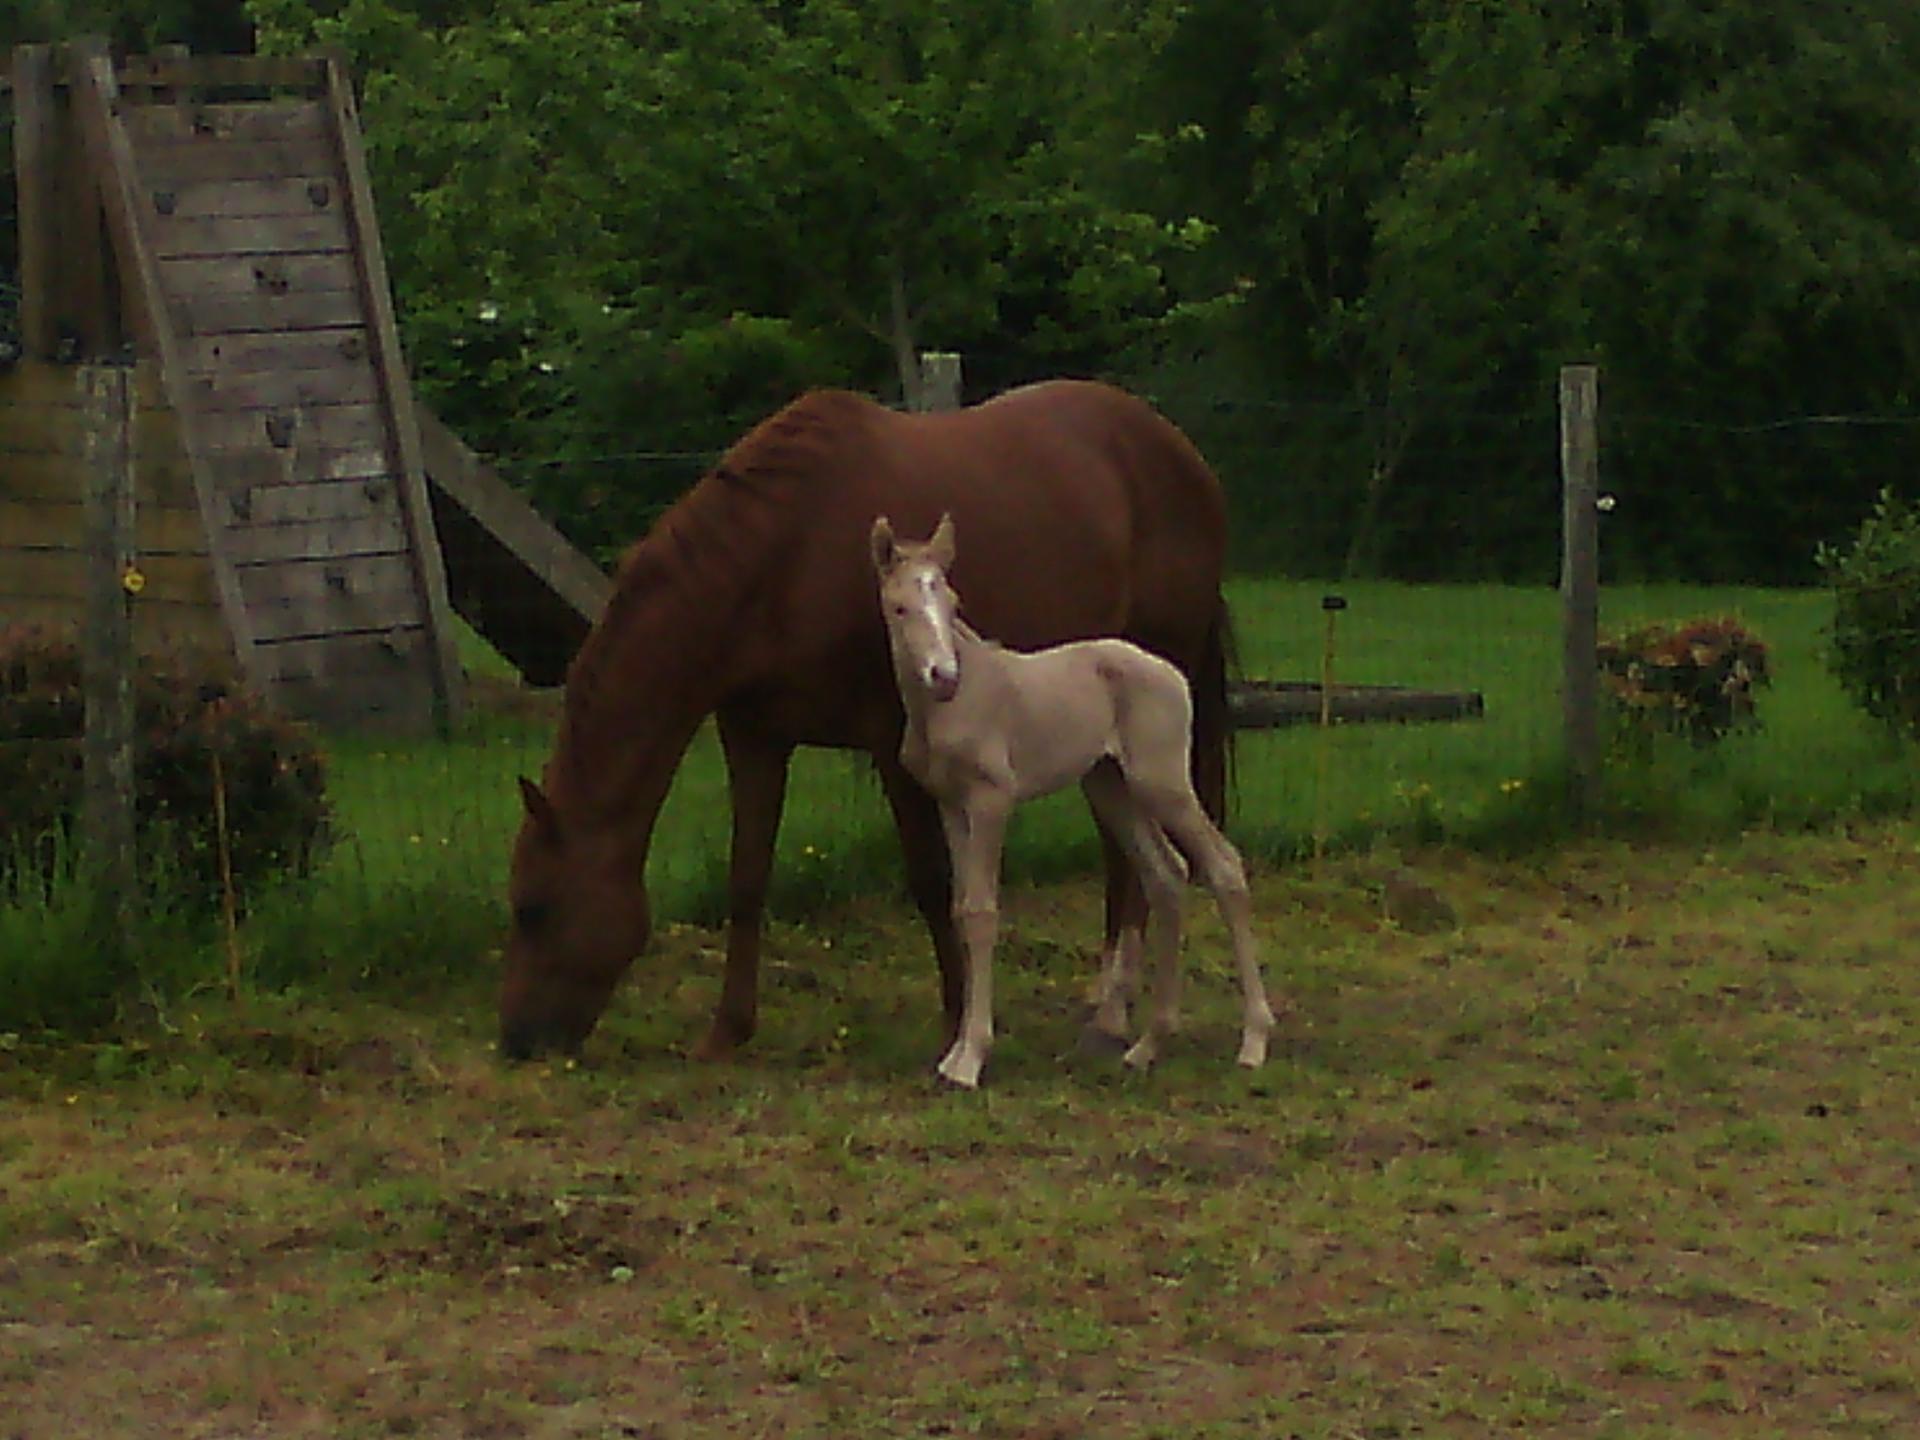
1271 704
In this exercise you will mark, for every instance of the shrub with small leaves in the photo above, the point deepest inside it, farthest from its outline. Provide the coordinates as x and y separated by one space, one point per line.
1874 648
1692 677
197 731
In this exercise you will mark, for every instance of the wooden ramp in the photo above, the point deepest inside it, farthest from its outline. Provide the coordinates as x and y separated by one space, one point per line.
304 502
236 197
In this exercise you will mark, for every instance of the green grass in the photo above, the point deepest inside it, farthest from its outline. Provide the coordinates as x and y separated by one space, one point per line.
412 893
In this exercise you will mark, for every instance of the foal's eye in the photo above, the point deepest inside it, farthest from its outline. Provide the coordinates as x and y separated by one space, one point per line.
531 915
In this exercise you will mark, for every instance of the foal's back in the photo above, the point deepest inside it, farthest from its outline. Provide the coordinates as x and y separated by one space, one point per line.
1061 711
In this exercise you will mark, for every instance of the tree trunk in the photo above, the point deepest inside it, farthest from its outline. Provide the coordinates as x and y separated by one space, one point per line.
906 355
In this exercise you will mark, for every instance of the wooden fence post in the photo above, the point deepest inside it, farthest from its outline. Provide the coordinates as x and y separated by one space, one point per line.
1580 577
107 812
939 380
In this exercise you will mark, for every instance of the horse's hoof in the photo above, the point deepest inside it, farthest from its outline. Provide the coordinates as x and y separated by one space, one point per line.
1141 1056
1253 1054
1096 1041
715 1046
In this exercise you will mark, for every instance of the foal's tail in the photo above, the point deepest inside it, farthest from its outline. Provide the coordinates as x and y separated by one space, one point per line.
1212 727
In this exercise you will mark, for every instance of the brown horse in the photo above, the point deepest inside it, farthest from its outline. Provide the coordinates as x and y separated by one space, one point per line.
752 600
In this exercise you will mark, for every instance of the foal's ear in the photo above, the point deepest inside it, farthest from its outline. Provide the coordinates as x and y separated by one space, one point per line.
941 545
539 808
885 552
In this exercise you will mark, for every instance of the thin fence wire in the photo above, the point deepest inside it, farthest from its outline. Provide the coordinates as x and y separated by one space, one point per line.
422 828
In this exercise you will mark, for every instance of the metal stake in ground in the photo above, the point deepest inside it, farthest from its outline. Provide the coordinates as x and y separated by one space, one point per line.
1332 605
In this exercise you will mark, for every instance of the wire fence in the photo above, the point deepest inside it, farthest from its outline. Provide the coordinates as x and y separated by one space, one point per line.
418 830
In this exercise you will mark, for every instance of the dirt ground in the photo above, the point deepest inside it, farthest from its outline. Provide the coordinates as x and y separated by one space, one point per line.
1627 1149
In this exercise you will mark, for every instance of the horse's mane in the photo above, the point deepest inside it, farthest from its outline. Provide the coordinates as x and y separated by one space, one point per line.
678 586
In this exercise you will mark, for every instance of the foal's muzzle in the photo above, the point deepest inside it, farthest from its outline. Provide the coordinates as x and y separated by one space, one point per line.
943 682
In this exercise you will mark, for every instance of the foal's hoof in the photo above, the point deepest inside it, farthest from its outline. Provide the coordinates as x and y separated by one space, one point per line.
1142 1055
962 1072
1096 1041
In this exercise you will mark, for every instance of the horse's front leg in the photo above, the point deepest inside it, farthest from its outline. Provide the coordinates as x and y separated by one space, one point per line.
757 777
929 879
975 833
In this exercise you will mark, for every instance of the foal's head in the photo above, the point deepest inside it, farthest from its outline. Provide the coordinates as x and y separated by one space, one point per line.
918 605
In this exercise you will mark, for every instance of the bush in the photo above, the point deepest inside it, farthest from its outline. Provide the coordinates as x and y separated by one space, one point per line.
1875 632
186 718
1693 677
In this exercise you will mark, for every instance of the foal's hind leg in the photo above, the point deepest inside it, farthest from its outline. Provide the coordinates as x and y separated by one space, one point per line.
1161 874
1126 918
1222 871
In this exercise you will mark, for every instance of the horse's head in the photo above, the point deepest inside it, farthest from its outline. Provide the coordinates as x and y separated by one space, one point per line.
918 606
579 919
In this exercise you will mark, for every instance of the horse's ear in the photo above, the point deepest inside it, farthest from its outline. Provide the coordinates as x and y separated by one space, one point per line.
941 545
539 808
885 551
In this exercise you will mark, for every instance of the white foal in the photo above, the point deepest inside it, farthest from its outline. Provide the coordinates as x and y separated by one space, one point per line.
989 727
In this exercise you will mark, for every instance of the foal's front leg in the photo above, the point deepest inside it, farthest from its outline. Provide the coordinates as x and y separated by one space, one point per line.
975 832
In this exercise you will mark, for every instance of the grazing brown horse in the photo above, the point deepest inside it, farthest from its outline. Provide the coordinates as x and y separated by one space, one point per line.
752 600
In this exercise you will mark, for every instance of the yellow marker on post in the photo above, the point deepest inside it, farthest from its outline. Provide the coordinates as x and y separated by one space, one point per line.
132 580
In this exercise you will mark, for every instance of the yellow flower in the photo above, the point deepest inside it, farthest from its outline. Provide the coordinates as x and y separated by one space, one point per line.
132 581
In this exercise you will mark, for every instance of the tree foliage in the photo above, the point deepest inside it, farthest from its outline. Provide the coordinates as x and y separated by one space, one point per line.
1347 245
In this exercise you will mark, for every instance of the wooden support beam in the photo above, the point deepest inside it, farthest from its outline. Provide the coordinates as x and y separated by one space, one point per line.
110 153
384 342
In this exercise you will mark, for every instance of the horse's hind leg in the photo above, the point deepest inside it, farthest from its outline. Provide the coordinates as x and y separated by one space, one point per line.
1223 872
929 881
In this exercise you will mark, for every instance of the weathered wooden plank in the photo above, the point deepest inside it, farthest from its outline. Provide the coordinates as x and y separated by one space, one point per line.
1274 704
56 431
404 704
321 427
223 357
345 382
267 312
376 534
231 470
384 333
291 197
314 501
61 574
110 153
160 626
59 524
384 656
35 165
164 478
242 122
331 597
33 386
253 276
173 163
190 72
175 236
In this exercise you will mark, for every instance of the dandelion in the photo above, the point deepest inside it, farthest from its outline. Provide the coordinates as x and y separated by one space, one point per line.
1507 787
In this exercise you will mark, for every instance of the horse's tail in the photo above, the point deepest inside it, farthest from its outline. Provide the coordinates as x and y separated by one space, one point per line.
1212 725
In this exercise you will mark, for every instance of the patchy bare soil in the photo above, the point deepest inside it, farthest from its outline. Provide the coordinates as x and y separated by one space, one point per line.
1630 1152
